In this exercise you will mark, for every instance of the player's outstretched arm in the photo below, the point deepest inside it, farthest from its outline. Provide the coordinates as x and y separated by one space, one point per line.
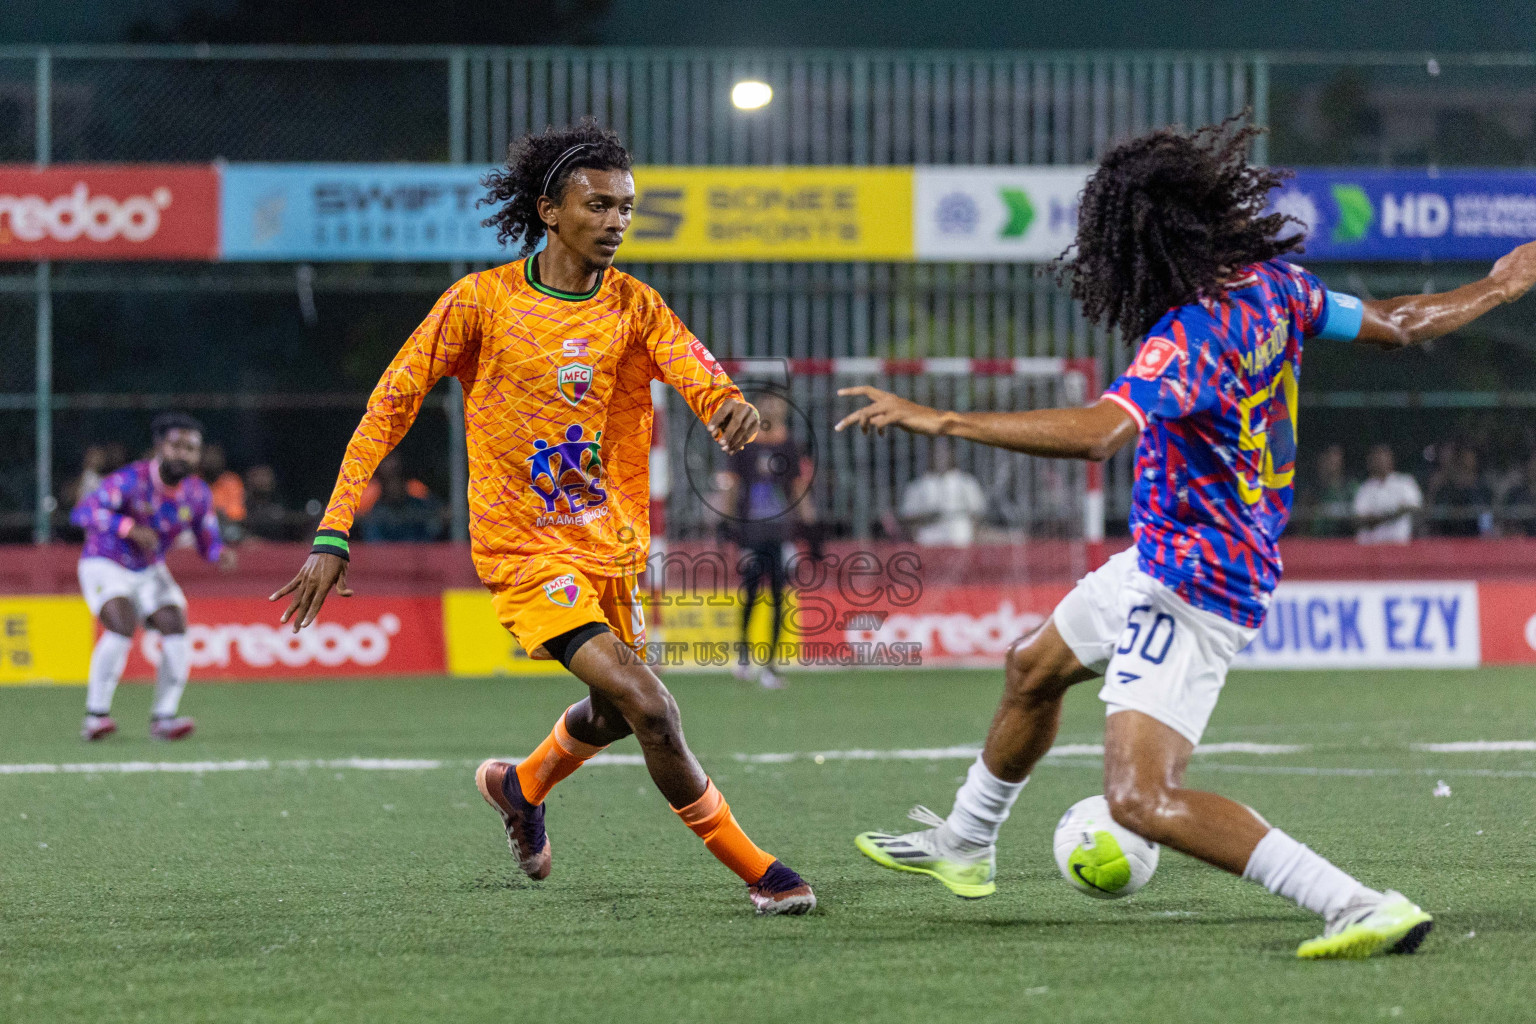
311 586
734 424
1414 319
1094 432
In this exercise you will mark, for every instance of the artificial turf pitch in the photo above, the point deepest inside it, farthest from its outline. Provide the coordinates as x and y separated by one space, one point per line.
340 894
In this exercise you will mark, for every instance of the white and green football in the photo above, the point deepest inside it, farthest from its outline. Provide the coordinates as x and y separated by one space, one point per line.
1098 856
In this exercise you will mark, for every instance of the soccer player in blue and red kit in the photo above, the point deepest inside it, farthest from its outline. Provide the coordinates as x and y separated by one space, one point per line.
1175 250
130 521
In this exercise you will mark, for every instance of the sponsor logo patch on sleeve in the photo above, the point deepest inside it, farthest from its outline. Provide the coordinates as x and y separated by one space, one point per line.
700 352
1154 358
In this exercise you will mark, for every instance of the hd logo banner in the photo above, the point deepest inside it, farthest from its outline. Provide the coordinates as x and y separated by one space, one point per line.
1019 214
1411 216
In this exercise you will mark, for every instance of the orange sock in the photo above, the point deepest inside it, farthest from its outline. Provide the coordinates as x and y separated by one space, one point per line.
711 819
557 757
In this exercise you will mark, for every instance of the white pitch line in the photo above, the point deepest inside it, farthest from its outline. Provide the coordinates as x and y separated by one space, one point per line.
954 753
1475 746
965 753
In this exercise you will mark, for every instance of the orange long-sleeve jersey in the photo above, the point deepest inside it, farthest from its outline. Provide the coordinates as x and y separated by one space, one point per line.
557 411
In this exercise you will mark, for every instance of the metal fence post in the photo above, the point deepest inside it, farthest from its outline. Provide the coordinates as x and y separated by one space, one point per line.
42 530
1261 108
458 452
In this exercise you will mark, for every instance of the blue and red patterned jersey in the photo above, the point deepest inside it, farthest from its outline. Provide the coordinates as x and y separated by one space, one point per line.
135 495
1213 390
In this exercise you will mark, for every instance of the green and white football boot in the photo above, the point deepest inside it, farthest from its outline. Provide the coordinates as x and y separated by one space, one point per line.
934 852
1390 923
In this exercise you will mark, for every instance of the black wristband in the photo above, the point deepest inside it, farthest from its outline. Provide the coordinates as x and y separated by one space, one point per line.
331 542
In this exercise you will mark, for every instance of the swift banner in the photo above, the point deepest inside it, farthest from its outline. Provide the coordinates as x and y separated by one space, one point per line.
1411 215
355 212
429 212
1024 214
117 212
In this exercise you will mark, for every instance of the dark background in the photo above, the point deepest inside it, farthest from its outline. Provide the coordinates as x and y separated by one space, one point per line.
1118 24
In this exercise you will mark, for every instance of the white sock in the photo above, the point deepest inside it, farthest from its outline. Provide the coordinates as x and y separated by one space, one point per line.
171 678
1290 869
107 663
982 805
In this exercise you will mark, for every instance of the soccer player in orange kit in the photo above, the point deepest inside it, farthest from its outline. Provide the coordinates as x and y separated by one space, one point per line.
556 353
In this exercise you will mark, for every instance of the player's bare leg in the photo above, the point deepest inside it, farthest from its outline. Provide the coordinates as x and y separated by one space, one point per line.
1144 764
961 851
1038 671
619 676
119 619
627 698
170 676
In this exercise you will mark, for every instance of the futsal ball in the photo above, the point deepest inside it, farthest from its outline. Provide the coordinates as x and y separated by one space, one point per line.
1098 856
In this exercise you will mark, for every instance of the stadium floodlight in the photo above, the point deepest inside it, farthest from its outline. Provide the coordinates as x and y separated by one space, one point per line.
751 95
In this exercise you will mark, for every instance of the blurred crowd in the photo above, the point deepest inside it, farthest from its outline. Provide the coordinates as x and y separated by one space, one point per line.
251 505
1460 491
1457 490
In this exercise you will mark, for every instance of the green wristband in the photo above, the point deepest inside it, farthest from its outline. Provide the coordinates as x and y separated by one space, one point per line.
330 542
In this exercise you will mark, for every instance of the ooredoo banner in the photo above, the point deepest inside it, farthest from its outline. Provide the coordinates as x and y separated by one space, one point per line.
940 626
240 638
1508 612
117 212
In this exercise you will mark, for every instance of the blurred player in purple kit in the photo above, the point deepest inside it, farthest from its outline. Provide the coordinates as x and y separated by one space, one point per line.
1175 250
130 520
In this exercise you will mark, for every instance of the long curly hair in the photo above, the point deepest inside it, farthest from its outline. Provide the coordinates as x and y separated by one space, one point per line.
519 186
1165 218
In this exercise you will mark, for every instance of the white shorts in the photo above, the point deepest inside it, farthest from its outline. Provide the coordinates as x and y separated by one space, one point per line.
1159 655
102 579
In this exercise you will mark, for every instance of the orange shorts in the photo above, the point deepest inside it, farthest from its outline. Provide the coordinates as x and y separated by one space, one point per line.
564 598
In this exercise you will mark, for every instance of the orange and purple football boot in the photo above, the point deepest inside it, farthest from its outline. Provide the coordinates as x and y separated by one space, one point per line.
497 782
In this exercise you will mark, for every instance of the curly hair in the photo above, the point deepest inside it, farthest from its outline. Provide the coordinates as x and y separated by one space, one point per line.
529 161
1166 218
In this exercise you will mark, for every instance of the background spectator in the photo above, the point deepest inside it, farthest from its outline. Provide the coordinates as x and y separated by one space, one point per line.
228 492
1462 506
415 488
93 467
1517 512
399 516
941 506
1330 503
1385 503
265 514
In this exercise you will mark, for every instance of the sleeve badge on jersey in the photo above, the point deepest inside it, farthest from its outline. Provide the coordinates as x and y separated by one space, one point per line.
700 352
1155 356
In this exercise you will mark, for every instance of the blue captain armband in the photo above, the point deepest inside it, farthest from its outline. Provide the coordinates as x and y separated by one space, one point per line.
1342 316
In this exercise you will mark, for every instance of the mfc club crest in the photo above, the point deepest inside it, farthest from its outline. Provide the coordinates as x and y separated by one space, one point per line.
574 380
563 590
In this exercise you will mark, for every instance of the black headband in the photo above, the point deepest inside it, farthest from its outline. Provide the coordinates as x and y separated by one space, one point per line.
554 168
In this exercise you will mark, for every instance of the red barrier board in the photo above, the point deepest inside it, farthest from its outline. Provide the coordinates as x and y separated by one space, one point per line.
240 638
1508 613
109 212
939 625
